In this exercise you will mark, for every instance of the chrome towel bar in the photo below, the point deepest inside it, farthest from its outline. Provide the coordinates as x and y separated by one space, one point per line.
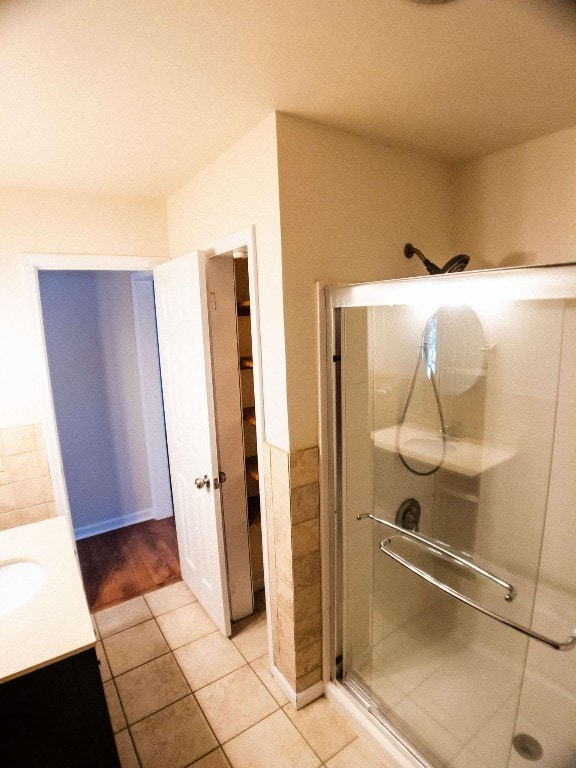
556 644
445 550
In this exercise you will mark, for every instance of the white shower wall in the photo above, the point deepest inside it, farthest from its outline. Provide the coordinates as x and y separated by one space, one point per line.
512 208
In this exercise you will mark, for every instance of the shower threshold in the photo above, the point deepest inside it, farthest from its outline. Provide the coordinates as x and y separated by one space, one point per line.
352 696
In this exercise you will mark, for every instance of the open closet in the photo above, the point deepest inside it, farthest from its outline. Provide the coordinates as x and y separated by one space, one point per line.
246 366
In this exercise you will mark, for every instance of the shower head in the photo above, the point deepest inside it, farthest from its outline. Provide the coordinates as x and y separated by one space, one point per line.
455 264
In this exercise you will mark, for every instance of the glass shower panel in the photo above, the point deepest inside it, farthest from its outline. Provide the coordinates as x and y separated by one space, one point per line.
357 494
450 418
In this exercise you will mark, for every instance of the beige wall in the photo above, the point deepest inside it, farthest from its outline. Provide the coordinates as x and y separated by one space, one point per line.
328 207
518 206
348 206
240 189
33 221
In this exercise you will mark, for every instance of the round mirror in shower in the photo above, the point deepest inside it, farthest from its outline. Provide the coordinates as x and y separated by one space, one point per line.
454 349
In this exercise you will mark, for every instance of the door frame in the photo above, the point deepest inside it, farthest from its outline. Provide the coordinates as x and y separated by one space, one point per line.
245 241
32 264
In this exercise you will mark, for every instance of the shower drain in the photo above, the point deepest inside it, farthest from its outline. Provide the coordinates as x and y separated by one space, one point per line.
527 747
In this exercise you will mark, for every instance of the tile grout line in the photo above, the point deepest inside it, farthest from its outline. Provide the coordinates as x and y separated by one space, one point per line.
127 727
247 663
191 692
309 744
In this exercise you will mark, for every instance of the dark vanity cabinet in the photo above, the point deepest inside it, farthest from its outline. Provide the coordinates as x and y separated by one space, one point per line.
56 717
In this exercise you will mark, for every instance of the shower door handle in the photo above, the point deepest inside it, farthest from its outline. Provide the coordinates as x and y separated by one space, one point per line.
445 550
558 645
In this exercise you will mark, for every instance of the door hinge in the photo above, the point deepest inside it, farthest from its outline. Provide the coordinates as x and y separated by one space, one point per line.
212 301
336 358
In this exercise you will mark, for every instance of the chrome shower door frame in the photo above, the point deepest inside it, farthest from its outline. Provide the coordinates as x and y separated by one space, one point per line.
521 283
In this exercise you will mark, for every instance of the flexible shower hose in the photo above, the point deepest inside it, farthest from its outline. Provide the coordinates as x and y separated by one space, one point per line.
405 411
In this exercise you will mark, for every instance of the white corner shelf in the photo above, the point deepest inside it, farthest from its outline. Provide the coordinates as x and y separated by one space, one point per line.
466 457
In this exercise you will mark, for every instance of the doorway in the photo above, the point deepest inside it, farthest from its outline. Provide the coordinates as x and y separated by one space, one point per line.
102 354
240 244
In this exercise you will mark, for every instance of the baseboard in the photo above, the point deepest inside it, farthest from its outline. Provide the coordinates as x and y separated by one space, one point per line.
298 700
113 523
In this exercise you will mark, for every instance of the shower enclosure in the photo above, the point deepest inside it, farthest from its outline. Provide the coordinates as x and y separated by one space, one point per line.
451 410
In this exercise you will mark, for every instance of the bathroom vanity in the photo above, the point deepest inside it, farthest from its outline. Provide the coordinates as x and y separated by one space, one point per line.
53 711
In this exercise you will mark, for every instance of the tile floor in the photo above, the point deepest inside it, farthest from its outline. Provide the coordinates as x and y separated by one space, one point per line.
180 694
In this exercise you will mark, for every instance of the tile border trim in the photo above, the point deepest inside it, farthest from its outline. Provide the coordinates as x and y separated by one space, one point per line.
302 699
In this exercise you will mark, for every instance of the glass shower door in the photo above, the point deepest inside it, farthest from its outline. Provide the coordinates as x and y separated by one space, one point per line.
450 456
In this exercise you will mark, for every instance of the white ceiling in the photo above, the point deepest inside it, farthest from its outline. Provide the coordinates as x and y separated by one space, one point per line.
136 96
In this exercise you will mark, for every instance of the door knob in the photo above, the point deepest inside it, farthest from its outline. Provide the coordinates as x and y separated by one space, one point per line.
202 482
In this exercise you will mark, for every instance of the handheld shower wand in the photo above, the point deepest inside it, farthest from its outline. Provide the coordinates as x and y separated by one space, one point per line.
455 264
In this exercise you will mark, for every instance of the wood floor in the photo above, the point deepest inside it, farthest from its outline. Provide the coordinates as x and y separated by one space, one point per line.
128 562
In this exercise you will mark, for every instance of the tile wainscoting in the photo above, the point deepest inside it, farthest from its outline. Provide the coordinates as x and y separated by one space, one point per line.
26 493
293 527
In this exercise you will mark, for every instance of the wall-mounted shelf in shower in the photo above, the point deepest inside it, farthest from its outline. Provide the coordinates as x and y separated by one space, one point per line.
456 493
466 457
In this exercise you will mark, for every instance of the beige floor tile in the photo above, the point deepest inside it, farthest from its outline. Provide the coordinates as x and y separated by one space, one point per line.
262 668
271 743
126 752
359 754
114 707
208 659
216 759
119 617
186 624
169 598
250 636
134 646
235 702
105 672
322 726
150 687
174 737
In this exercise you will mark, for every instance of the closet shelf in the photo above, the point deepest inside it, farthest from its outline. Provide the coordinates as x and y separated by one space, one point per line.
246 362
249 415
253 510
252 467
243 308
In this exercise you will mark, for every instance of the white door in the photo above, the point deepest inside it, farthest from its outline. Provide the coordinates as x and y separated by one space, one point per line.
185 359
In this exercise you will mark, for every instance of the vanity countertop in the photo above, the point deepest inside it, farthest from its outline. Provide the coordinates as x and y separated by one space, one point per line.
55 623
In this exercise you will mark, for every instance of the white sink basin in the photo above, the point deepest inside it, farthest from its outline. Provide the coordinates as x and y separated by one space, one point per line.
20 580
